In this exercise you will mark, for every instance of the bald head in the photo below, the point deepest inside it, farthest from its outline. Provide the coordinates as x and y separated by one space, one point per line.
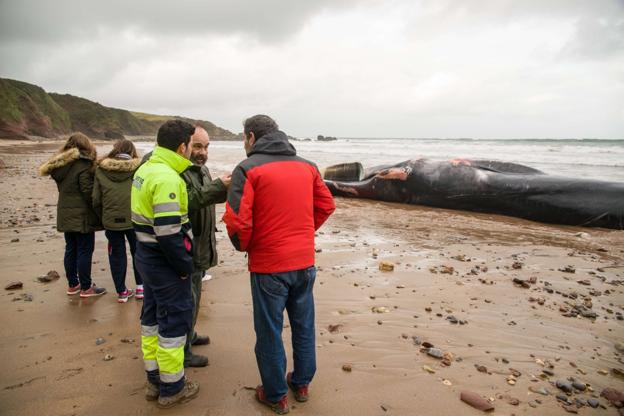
199 146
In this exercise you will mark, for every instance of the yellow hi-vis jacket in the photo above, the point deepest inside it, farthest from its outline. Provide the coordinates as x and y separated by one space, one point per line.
160 211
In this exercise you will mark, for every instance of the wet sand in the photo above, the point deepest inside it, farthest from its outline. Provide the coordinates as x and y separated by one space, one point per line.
51 364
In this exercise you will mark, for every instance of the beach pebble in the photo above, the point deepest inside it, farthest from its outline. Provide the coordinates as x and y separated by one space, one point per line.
476 401
108 357
593 402
100 341
538 390
49 277
386 266
347 368
613 396
14 285
435 353
579 386
380 309
564 385
428 369
481 368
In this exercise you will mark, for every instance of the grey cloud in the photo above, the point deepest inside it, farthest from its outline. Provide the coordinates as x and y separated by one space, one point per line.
597 38
47 21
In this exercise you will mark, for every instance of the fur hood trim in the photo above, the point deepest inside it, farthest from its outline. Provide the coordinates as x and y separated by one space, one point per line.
120 165
59 160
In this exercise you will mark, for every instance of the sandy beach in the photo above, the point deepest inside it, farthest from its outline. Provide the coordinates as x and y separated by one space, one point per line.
452 286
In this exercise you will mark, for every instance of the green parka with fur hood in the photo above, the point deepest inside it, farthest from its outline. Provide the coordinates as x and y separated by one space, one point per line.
111 191
73 173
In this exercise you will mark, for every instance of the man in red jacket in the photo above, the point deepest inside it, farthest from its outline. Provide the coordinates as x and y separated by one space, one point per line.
276 202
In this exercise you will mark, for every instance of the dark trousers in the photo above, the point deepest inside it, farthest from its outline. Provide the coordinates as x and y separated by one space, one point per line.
166 319
78 254
117 258
271 294
196 289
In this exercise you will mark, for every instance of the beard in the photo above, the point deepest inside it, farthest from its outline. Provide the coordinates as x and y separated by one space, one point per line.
198 159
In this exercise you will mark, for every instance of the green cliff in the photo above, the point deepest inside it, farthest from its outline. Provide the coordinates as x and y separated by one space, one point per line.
28 110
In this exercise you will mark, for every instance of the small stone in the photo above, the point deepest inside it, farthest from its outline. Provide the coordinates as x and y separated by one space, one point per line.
380 309
100 341
386 266
447 269
476 401
513 401
594 403
347 368
481 368
613 396
435 353
428 369
14 285
49 277
579 386
564 385
334 328
447 382
539 390
108 357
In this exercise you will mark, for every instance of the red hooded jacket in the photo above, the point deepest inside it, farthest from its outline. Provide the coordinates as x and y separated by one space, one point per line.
276 202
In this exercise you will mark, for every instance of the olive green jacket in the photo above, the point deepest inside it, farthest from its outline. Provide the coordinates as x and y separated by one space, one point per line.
111 192
203 193
73 174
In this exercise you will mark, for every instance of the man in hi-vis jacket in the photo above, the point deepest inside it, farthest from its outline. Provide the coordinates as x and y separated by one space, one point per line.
163 258
276 202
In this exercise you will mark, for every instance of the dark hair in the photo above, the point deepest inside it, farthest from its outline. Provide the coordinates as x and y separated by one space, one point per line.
259 125
82 143
173 133
123 146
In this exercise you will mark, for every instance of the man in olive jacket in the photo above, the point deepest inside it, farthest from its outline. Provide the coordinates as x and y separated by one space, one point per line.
203 193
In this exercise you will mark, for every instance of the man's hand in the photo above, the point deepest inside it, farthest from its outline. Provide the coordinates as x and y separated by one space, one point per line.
226 179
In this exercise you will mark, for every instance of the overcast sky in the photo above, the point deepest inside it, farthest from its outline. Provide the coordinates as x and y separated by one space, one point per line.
349 68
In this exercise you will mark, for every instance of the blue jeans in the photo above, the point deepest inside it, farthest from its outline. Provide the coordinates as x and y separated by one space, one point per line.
117 257
78 254
271 294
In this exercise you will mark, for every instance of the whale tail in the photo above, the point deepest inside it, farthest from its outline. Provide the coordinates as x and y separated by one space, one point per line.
346 172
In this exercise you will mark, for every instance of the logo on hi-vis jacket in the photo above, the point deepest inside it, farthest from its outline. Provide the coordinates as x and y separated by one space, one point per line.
172 195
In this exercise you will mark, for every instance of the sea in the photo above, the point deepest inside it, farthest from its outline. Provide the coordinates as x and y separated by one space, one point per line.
601 159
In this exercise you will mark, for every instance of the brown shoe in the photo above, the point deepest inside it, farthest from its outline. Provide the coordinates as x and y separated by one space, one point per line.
151 392
188 392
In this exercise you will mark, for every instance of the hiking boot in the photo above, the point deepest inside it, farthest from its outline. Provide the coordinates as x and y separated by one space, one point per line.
73 290
92 291
138 293
125 295
201 340
151 392
188 392
301 392
196 360
281 407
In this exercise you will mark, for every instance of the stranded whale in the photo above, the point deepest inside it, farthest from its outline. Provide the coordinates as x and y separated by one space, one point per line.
485 186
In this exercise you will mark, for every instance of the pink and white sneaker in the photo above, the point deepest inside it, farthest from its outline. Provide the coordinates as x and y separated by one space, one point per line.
125 295
139 293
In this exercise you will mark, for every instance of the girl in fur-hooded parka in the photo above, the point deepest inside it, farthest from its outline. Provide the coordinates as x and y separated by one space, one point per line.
72 170
111 200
